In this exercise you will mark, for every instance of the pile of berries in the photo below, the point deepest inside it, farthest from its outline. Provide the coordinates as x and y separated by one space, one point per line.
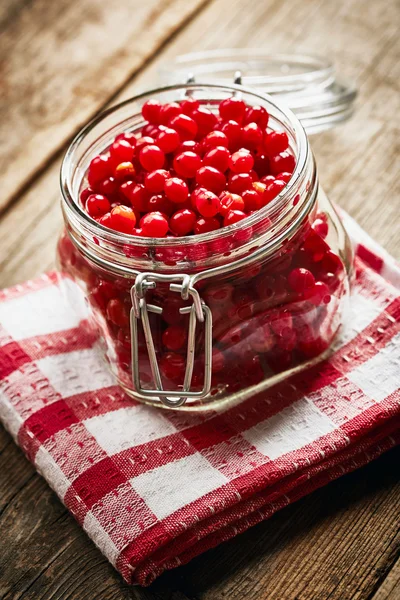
189 170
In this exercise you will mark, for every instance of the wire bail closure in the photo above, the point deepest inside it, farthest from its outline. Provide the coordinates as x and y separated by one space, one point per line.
198 311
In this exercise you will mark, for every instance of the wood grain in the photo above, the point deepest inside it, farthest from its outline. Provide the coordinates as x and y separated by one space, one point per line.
61 62
341 543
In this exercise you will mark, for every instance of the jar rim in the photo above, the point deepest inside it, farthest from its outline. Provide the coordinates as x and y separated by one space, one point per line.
99 230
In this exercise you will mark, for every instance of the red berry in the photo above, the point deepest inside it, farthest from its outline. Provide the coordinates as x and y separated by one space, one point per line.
189 105
159 203
257 114
207 203
206 225
85 193
155 180
185 126
143 141
233 216
320 227
151 111
124 170
186 164
127 136
168 140
121 151
213 139
272 190
97 205
205 120
176 190
154 225
284 177
100 168
151 157
241 161
174 337
211 179
239 182
282 162
319 294
182 222
218 158
105 220
169 111
275 143
233 132
229 202
252 200
139 197
252 136
107 187
172 366
301 280
232 108
123 219
117 312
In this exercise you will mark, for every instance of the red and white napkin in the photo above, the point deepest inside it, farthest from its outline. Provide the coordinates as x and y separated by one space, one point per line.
154 488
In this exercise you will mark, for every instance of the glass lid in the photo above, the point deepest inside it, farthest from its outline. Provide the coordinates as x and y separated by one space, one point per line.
307 84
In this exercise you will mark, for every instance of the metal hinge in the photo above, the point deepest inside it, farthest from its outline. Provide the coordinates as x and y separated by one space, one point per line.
198 311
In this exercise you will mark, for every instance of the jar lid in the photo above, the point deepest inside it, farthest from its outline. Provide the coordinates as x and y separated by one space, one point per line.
307 84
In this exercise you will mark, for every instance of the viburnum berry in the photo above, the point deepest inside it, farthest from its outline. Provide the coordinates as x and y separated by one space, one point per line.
272 190
252 200
155 180
229 202
203 225
107 187
121 151
174 337
173 366
176 190
214 138
239 182
185 126
241 161
99 168
233 216
97 205
151 111
127 136
168 140
154 224
151 157
124 170
182 222
117 312
123 219
160 203
275 142
301 280
233 132
257 114
186 164
205 120
189 105
217 157
211 179
252 136
282 162
138 197
232 109
207 203
168 112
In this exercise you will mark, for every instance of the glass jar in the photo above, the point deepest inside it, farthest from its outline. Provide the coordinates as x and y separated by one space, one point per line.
231 296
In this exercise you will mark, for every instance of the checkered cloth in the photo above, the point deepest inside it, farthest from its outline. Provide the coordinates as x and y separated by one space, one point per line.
154 488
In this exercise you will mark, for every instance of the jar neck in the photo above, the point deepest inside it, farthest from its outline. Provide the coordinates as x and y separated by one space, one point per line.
126 255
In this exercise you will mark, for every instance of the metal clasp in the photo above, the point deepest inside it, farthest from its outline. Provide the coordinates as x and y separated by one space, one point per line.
198 311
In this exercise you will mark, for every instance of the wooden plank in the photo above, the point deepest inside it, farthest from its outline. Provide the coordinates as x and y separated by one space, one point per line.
62 62
390 587
356 161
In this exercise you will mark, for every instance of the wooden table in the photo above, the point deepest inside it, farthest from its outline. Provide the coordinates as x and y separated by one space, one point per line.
61 63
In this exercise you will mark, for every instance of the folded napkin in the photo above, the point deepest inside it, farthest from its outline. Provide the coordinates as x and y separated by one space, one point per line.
154 488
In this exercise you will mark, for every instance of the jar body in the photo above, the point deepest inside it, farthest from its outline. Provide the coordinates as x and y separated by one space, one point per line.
275 285
262 328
